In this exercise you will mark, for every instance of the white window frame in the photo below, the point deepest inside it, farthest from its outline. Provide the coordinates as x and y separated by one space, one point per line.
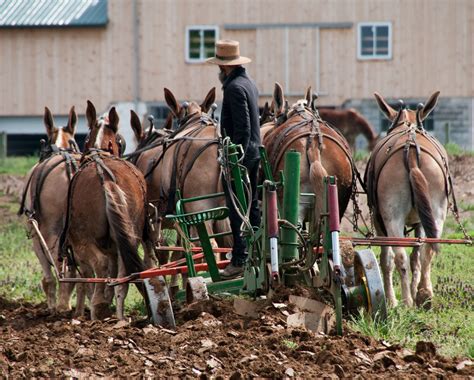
359 41
201 28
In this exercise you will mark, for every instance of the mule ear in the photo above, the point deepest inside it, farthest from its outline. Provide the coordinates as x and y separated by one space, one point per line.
136 125
113 119
266 109
168 122
48 122
278 99
172 103
72 120
209 100
385 107
430 105
91 114
308 96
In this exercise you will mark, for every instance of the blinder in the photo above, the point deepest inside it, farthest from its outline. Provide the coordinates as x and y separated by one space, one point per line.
122 144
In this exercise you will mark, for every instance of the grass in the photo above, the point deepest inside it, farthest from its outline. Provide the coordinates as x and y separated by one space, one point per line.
450 322
17 165
455 150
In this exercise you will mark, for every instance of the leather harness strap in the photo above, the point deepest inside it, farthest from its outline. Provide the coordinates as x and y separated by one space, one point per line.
44 170
372 173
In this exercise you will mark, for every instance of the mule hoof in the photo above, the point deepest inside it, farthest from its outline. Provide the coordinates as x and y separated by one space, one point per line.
424 299
101 311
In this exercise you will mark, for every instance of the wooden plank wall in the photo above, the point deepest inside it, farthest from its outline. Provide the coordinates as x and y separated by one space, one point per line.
432 49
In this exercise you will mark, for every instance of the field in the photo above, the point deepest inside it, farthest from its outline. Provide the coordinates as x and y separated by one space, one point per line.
212 340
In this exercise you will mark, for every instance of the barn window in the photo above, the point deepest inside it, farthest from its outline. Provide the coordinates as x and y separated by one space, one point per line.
200 42
374 40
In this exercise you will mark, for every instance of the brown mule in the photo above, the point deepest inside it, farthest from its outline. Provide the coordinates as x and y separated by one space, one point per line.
351 124
45 200
106 213
186 160
323 150
408 185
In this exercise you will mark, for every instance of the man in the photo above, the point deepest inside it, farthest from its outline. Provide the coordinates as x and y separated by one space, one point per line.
240 121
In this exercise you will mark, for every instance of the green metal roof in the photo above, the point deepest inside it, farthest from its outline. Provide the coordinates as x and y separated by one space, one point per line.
52 13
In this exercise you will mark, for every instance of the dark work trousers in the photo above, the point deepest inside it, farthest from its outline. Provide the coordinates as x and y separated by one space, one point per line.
238 251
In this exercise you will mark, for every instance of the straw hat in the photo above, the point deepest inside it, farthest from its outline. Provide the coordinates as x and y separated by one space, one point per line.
228 54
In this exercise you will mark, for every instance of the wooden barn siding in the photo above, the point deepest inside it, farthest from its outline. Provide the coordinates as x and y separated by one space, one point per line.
432 49
64 67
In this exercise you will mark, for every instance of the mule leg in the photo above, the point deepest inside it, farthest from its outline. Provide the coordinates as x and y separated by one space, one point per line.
100 308
65 292
425 287
121 291
48 282
83 289
415 263
387 264
402 264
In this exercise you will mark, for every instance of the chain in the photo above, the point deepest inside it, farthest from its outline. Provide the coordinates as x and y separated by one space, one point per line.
371 233
458 221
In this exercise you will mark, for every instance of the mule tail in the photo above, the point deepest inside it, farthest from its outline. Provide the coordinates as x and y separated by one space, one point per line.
421 197
316 175
121 227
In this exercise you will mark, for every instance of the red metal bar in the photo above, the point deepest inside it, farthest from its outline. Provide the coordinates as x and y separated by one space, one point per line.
333 208
193 249
176 263
149 273
402 242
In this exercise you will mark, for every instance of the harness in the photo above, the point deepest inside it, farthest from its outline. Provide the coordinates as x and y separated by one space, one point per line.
98 158
189 129
42 170
283 135
404 136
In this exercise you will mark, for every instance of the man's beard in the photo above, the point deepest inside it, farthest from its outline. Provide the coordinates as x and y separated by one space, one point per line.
222 76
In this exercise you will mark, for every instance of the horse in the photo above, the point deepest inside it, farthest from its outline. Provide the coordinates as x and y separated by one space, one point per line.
408 185
44 201
185 160
324 151
351 124
106 213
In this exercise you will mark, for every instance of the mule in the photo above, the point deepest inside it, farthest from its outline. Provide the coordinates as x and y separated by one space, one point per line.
186 160
323 150
407 186
351 124
45 200
106 213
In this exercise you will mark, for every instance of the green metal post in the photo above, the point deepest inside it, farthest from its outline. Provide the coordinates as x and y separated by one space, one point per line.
233 155
291 197
267 170
208 252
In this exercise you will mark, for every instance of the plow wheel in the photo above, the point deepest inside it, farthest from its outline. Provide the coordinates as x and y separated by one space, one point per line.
368 291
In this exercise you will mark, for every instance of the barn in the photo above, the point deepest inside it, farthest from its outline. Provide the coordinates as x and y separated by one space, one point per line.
123 53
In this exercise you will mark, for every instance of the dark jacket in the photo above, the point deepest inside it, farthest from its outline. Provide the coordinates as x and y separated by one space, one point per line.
240 113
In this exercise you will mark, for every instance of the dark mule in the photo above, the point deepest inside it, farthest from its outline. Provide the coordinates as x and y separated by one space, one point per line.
45 200
185 160
407 186
106 214
351 124
323 150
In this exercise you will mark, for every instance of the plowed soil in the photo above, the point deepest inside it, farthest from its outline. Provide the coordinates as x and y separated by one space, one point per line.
211 341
